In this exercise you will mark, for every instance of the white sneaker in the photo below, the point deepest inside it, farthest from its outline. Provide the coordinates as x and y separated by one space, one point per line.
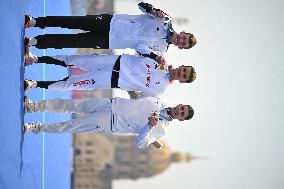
29 105
30 58
29 21
32 127
29 41
28 84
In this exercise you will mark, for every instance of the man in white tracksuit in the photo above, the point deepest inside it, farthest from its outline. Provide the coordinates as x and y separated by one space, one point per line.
119 31
146 117
145 73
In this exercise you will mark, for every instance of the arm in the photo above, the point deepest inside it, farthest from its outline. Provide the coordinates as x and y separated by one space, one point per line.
149 9
145 51
150 133
142 139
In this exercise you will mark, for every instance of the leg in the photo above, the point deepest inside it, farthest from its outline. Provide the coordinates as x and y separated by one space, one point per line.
51 60
45 84
89 62
97 122
97 40
73 105
29 84
87 81
62 60
98 23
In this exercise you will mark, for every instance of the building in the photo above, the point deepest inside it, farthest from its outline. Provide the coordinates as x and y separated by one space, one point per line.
100 158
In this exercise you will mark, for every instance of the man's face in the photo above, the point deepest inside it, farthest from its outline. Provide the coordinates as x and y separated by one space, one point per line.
181 40
179 112
182 73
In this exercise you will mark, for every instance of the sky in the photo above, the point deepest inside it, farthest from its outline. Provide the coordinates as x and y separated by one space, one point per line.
238 95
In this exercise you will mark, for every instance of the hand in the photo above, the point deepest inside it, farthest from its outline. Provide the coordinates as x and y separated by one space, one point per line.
157 144
133 94
161 60
153 119
158 14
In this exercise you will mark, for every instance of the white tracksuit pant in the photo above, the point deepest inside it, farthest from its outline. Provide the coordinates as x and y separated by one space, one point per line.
101 65
96 115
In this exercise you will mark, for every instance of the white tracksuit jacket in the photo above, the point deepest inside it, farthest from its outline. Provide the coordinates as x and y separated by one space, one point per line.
129 31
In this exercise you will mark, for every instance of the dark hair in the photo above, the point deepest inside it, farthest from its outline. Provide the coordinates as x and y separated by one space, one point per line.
190 112
192 41
192 75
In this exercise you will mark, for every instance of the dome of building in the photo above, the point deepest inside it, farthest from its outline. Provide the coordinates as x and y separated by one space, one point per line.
136 163
162 158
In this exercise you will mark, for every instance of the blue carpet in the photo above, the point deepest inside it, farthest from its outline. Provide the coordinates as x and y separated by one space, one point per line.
29 161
